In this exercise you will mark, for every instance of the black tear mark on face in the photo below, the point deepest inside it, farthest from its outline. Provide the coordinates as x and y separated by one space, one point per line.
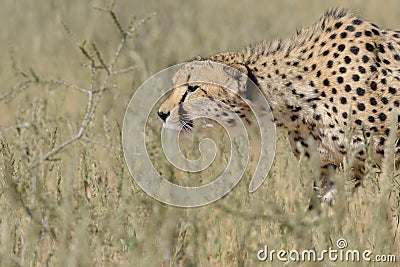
184 118
190 89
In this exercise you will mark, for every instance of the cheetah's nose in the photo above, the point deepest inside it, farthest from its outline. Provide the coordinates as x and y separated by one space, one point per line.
163 114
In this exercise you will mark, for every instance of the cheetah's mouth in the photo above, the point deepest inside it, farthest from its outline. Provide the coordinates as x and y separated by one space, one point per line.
188 125
200 123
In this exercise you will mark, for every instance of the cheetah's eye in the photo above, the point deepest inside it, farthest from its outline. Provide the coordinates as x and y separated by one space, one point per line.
192 88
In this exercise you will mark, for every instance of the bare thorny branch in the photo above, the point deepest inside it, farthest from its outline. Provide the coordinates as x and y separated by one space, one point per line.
95 94
18 87
95 89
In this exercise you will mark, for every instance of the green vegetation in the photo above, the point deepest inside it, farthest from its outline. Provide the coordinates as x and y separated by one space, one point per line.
66 195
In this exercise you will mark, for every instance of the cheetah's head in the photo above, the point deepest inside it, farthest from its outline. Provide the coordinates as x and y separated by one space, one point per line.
205 89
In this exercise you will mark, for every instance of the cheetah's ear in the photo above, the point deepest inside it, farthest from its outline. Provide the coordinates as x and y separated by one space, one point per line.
238 81
197 58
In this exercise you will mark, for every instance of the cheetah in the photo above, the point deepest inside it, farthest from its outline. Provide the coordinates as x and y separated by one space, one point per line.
343 72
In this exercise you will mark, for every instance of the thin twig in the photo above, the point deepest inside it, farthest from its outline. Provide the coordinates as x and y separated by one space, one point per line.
116 21
21 86
69 85
56 150
100 144
87 116
101 90
124 38
98 55
86 53
125 70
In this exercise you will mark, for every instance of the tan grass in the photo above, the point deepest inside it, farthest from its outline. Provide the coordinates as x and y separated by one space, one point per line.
79 206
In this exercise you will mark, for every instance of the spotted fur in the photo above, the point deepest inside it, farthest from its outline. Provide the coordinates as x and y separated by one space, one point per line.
341 72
